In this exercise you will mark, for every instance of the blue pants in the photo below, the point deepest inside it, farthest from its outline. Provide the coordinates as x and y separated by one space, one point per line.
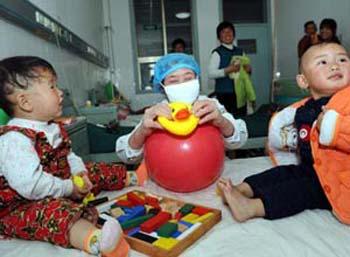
288 190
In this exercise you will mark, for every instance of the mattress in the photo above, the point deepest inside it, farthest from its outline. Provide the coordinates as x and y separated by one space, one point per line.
310 233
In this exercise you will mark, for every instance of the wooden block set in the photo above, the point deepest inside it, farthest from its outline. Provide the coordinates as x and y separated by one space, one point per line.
159 226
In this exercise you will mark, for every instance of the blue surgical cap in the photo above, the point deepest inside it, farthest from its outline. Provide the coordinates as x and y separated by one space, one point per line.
170 63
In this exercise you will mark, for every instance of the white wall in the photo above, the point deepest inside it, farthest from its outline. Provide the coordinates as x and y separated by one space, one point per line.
206 18
74 73
290 17
123 45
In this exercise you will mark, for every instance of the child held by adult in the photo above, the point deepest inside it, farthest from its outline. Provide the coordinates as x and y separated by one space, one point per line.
38 199
177 75
309 143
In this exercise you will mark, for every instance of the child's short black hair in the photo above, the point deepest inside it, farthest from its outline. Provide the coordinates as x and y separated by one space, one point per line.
311 22
16 72
224 25
178 41
329 23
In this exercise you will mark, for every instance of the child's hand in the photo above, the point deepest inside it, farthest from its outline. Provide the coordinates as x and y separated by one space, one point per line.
81 186
149 122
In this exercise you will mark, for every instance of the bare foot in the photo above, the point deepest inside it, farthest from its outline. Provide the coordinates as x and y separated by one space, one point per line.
221 183
242 207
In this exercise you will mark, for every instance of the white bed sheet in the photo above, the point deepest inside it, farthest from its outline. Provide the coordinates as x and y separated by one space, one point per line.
311 233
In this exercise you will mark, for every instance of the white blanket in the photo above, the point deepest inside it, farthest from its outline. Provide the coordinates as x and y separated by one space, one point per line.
311 233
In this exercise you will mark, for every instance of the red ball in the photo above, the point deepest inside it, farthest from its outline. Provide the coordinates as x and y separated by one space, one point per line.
185 164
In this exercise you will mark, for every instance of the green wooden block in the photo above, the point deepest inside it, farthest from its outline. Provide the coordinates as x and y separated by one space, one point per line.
187 208
135 222
167 229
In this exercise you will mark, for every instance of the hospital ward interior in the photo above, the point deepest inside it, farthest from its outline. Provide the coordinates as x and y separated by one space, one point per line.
178 195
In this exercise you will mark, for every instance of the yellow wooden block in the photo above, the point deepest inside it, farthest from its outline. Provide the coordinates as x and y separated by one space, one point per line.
190 217
204 217
123 197
117 212
165 243
140 194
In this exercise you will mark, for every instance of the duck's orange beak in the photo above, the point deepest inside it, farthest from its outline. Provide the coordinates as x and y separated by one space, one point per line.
182 114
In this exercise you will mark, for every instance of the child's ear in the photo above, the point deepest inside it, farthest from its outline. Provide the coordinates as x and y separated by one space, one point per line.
302 81
23 102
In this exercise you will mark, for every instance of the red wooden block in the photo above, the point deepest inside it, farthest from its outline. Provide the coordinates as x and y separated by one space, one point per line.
178 215
135 199
200 210
125 203
149 200
155 222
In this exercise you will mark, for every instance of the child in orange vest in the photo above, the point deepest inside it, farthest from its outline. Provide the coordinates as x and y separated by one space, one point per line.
310 144
38 199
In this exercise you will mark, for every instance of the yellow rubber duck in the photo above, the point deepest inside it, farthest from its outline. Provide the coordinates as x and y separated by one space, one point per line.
183 122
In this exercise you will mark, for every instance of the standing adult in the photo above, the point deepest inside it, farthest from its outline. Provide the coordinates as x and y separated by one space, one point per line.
310 38
220 67
328 31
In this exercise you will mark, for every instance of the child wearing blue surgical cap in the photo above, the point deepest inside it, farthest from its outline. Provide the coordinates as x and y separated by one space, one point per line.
178 75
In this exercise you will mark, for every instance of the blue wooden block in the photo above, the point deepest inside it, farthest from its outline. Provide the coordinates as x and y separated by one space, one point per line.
175 234
130 213
133 231
187 224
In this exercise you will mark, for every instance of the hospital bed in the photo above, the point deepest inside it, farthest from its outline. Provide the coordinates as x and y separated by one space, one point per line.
315 233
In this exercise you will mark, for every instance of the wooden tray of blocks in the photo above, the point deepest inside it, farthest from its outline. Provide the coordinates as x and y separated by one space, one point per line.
157 225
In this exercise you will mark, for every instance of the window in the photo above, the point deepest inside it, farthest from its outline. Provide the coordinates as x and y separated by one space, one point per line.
245 11
158 23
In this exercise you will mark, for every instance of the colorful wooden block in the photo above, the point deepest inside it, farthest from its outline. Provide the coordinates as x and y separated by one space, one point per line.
117 212
167 229
133 231
176 234
200 210
187 224
165 243
169 241
190 217
187 208
178 215
204 217
154 211
144 237
124 203
149 200
135 199
135 221
189 231
181 227
155 222
131 213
